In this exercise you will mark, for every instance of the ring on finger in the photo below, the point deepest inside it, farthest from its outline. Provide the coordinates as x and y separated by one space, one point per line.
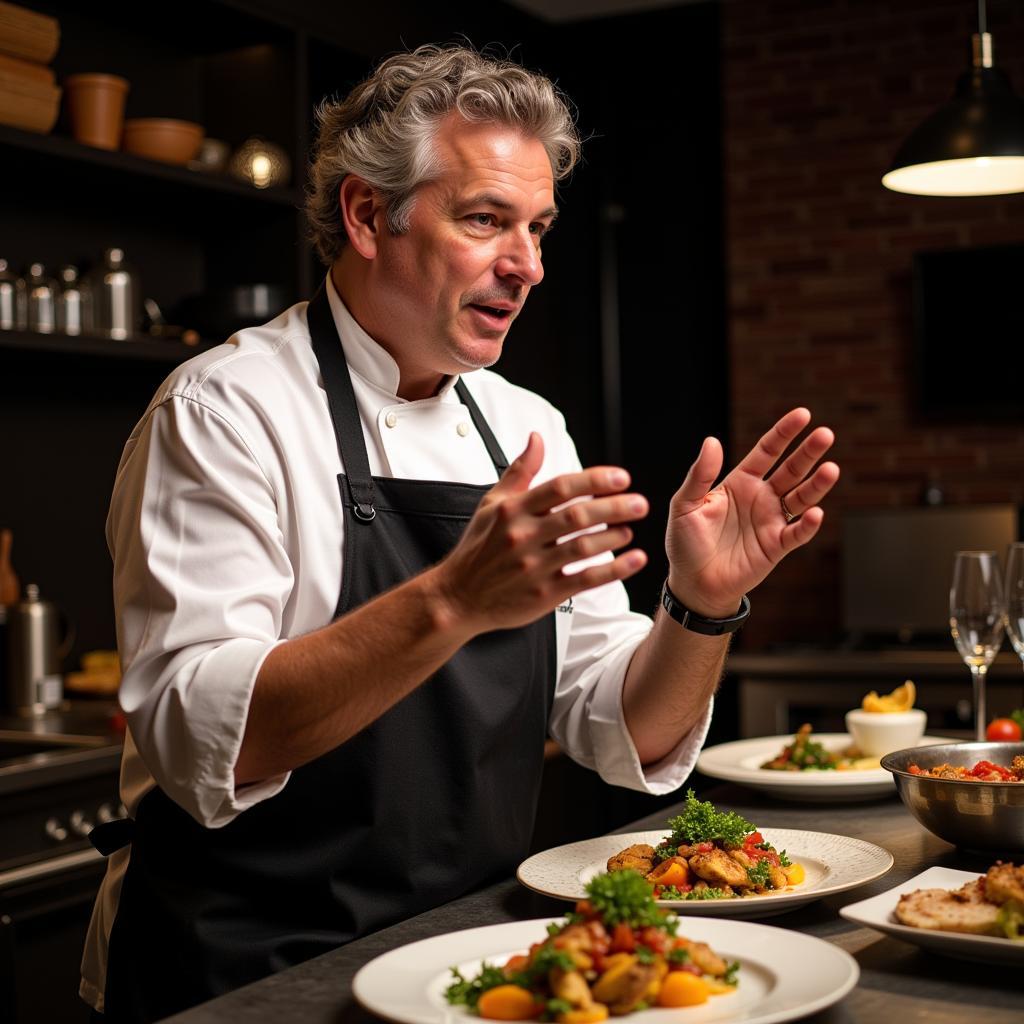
790 516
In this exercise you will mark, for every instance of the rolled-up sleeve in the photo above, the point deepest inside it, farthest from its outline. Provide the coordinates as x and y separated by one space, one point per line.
201 576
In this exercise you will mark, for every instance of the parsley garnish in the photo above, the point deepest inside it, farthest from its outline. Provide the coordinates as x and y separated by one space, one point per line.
701 823
644 955
462 992
760 874
783 859
677 955
730 973
625 896
710 893
665 850
672 892
556 1006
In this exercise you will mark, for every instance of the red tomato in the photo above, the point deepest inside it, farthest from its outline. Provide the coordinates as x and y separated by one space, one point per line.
1003 730
753 839
622 939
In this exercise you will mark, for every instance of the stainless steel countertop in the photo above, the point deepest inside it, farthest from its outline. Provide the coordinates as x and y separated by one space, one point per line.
898 981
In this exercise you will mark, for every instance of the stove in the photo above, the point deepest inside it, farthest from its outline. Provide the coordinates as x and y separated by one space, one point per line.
58 778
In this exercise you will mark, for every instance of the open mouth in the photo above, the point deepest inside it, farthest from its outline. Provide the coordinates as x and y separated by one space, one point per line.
501 315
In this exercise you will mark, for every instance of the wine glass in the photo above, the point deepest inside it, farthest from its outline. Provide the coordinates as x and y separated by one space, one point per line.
977 616
1015 596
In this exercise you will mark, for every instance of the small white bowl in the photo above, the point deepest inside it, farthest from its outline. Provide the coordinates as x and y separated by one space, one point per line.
877 733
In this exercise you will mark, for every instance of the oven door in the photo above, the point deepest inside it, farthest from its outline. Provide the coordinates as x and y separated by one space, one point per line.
45 909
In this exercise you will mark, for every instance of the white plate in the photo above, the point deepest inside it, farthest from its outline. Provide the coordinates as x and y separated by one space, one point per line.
879 913
783 975
741 760
833 864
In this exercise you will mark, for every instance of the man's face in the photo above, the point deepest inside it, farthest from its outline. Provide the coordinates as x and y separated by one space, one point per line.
447 290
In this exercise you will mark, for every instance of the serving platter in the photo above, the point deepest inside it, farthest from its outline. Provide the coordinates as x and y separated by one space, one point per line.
832 864
784 975
879 912
740 761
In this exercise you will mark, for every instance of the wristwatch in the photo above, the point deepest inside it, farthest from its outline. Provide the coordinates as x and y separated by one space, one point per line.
698 623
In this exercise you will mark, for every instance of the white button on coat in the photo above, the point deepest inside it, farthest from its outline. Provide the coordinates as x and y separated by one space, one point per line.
391 419
462 429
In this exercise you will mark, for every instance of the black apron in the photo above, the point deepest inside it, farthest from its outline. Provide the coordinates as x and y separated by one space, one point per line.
434 799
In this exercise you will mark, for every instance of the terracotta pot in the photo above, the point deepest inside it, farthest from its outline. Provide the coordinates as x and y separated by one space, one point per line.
95 105
162 138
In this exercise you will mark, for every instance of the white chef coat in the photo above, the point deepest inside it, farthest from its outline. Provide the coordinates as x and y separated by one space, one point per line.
226 526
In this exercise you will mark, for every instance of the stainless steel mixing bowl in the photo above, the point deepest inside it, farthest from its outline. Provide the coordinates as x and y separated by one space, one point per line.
974 815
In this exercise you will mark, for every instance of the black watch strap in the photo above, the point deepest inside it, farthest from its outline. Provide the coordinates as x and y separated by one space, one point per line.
691 620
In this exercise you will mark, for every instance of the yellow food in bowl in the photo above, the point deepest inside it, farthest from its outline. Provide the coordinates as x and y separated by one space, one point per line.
901 699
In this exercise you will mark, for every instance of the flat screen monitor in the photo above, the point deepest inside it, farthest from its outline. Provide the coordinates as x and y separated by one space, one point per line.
898 565
968 333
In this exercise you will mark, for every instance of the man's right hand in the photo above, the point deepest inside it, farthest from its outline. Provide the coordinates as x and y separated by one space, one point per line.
508 567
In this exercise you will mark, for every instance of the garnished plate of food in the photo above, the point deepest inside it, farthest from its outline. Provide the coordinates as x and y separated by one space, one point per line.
617 954
714 863
957 913
809 766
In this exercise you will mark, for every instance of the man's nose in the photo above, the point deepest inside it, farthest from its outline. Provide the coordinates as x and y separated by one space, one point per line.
520 258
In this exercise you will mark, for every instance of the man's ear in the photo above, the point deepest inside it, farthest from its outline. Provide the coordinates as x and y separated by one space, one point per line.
361 215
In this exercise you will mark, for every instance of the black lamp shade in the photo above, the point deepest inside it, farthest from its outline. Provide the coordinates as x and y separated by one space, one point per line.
974 145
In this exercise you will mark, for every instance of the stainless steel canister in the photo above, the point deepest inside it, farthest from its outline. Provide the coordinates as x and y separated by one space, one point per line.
13 303
42 300
33 671
116 298
70 303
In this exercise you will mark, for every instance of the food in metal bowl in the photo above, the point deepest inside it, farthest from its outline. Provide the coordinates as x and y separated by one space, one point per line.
974 814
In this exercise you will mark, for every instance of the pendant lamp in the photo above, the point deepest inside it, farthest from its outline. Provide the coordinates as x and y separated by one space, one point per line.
974 145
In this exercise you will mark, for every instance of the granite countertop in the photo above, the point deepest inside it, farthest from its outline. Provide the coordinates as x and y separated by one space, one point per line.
898 981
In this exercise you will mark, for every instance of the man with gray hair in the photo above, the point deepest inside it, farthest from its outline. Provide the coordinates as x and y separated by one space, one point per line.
359 578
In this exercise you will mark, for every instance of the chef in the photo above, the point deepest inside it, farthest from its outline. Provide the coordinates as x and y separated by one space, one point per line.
359 577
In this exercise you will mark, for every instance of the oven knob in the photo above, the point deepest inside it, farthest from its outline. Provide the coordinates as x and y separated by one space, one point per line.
55 830
80 824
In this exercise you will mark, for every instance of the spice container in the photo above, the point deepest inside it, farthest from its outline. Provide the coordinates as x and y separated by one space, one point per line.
13 301
114 296
70 302
42 300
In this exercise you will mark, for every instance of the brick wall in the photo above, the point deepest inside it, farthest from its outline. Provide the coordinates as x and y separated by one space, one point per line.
818 96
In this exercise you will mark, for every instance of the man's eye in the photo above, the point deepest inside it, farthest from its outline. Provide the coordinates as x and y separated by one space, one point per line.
485 220
540 230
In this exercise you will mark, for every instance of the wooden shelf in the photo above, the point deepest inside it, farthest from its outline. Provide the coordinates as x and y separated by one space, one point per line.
58 148
139 348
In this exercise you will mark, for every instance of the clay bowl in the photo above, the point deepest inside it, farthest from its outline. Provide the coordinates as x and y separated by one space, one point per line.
162 138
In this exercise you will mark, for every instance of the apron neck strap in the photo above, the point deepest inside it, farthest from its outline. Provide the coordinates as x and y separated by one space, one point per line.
341 399
486 434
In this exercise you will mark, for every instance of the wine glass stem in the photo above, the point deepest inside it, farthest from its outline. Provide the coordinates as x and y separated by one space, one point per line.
980 715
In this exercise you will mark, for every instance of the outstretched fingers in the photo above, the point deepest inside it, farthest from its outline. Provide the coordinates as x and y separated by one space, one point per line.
812 491
768 450
801 530
793 470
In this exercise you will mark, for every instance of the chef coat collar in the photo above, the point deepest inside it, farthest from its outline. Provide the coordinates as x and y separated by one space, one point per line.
367 358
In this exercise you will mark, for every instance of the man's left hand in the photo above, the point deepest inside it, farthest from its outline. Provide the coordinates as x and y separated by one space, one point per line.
722 541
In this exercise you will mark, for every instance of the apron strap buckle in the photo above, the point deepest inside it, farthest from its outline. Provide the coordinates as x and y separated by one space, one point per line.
365 513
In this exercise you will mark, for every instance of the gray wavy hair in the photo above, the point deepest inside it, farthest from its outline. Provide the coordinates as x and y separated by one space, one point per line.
384 129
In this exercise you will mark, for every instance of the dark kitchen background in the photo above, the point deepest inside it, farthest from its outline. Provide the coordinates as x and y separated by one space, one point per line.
725 251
